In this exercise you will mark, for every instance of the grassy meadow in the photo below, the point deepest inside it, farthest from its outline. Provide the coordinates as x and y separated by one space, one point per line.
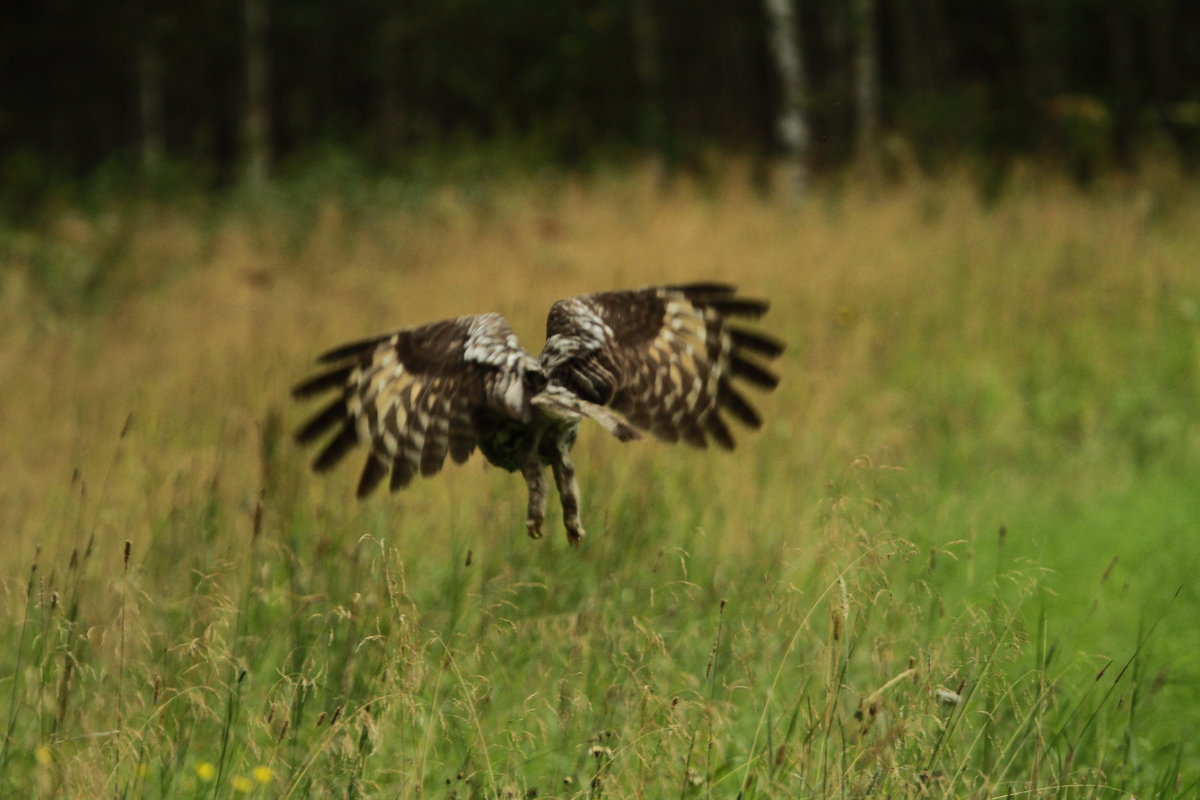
957 561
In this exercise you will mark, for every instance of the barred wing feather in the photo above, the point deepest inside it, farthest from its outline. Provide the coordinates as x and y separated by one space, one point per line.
666 357
413 395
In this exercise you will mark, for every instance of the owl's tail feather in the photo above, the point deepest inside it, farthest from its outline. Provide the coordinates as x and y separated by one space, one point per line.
564 404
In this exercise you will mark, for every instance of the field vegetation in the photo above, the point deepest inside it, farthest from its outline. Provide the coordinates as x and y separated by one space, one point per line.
958 561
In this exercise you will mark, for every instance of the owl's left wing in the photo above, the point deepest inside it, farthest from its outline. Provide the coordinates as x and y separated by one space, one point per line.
414 396
664 356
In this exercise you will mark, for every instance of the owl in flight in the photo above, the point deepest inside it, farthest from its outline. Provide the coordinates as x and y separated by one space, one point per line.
663 358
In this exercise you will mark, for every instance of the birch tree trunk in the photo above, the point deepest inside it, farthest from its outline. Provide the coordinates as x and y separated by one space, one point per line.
791 124
256 119
866 83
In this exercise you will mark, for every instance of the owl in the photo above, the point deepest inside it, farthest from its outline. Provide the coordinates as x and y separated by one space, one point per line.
662 359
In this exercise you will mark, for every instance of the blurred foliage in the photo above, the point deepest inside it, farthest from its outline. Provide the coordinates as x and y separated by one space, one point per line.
973 490
100 89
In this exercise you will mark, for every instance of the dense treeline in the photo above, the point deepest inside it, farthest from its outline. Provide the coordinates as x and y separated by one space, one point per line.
220 84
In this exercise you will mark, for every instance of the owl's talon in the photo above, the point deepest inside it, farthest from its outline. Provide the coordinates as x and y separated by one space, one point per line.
575 534
534 526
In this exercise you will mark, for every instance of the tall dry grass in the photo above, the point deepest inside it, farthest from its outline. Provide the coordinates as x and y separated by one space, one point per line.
212 323
950 364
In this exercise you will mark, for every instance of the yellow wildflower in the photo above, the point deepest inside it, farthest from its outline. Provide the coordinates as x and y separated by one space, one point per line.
205 771
242 784
44 755
263 774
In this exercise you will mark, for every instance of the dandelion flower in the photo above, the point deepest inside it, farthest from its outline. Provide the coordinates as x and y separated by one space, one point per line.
44 755
242 784
263 774
205 771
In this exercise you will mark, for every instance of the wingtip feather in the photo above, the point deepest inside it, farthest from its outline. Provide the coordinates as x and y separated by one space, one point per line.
373 472
322 421
742 367
322 382
337 448
756 342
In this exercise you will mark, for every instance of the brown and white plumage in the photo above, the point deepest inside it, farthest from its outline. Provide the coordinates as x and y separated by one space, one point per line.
664 357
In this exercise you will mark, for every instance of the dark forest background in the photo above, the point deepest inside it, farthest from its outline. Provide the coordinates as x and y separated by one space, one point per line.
222 89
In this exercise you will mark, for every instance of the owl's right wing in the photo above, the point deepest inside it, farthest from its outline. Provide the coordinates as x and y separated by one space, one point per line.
664 356
414 396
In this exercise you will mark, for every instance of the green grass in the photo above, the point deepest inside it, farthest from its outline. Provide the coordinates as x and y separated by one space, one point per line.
957 561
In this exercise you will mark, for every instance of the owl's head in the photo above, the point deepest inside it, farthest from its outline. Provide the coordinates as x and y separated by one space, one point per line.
534 378
521 382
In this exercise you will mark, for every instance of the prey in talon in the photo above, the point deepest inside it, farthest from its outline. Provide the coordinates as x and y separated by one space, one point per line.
661 359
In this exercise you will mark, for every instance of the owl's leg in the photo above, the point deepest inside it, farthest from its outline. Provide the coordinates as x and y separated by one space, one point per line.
568 492
535 477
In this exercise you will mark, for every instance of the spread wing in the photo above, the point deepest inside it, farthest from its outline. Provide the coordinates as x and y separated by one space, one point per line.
666 357
414 394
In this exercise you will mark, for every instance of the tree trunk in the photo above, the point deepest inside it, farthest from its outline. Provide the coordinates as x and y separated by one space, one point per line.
150 103
866 83
1124 90
908 41
918 37
391 96
1160 23
256 118
791 123
648 65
